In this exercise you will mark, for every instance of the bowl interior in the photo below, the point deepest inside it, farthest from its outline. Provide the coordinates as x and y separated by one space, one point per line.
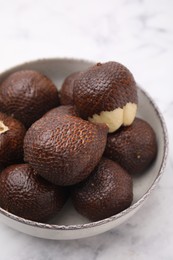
57 70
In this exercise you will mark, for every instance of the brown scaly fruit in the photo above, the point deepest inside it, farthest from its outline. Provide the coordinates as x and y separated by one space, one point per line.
66 110
106 192
1 168
24 193
66 92
106 93
27 95
12 133
63 148
133 147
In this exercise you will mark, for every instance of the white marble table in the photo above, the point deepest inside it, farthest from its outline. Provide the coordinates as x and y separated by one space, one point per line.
137 33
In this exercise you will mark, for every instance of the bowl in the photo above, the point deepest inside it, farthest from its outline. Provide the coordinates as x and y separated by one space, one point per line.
69 224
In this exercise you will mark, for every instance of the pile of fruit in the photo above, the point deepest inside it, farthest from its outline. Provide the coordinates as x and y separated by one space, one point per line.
83 142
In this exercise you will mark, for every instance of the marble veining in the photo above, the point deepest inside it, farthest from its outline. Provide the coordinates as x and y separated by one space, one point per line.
137 33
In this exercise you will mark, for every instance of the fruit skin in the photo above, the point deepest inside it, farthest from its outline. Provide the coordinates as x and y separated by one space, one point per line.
66 92
64 149
11 141
27 95
133 147
1 168
107 191
24 193
104 87
62 110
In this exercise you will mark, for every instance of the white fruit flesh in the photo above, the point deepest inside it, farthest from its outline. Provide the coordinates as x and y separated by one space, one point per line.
119 116
129 112
3 128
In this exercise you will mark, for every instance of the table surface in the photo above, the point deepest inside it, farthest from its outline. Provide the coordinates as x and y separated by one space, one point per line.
137 33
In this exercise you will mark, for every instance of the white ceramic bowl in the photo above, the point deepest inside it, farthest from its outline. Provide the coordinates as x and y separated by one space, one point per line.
69 224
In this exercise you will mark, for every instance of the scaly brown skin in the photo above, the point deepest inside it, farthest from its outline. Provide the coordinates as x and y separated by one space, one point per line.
104 87
27 95
106 192
133 147
66 110
12 133
1 168
24 193
66 92
64 149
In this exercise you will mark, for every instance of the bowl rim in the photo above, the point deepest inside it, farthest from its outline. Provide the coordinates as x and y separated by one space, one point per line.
122 213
